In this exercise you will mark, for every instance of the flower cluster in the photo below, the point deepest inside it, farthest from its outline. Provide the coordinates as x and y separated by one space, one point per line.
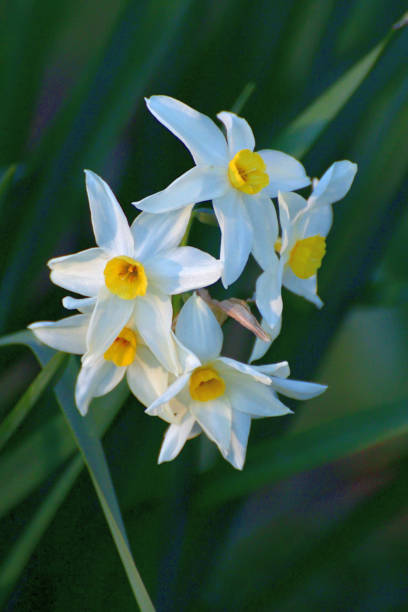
125 325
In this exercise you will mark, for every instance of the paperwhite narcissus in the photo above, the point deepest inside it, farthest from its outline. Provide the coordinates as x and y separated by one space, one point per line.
132 273
297 254
221 395
239 181
128 355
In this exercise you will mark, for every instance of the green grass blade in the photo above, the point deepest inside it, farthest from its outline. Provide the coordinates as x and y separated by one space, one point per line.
19 555
303 132
20 411
274 460
6 179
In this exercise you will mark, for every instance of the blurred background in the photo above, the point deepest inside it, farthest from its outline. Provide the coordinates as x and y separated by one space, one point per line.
318 518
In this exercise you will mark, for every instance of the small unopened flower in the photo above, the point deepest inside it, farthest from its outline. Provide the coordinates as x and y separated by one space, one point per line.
296 255
220 395
239 181
127 356
132 273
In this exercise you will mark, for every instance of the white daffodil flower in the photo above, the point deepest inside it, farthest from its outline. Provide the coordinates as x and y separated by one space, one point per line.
220 395
132 272
127 356
239 181
297 254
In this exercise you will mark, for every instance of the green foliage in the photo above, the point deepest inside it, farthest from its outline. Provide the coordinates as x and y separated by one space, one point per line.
321 80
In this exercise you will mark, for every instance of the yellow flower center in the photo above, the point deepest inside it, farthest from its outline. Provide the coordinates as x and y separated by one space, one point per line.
278 246
247 172
306 256
125 277
206 384
123 350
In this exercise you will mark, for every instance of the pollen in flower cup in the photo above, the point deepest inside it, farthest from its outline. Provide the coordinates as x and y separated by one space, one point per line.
239 181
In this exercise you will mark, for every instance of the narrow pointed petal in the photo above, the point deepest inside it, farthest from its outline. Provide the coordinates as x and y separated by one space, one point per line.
199 184
255 399
215 419
285 223
261 347
295 203
284 171
236 234
85 305
198 329
241 425
153 318
147 379
280 369
262 214
175 438
306 287
187 359
231 367
269 297
81 272
110 225
201 136
183 269
154 234
239 132
297 389
334 184
68 335
96 380
318 221
109 317
170 392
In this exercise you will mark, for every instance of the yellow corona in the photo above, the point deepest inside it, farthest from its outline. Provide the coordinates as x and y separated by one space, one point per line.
206 384
125 277
123 350
247 172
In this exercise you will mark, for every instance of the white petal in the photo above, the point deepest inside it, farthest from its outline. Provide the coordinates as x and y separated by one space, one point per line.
68 335
147 379
215 419
109 317
170 392
280 369
239 133
80 272
110 225
182 269
236 234
187 359
268 296
284 171
241 424
318 221
334 184
264 220
156 233
85 305
286 224
239 371
295 203
199 184
198 132
260 347
96 380
175 438
306 287
255 399
297 389
153 317
198 329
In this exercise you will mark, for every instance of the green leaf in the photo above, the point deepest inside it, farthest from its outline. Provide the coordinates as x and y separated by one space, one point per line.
19 555
6 179
273 460
303 132
16 416
86 436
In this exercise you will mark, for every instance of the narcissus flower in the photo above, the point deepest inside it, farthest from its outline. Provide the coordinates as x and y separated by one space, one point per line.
239 181
296 255
220 395
127 356
132 273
